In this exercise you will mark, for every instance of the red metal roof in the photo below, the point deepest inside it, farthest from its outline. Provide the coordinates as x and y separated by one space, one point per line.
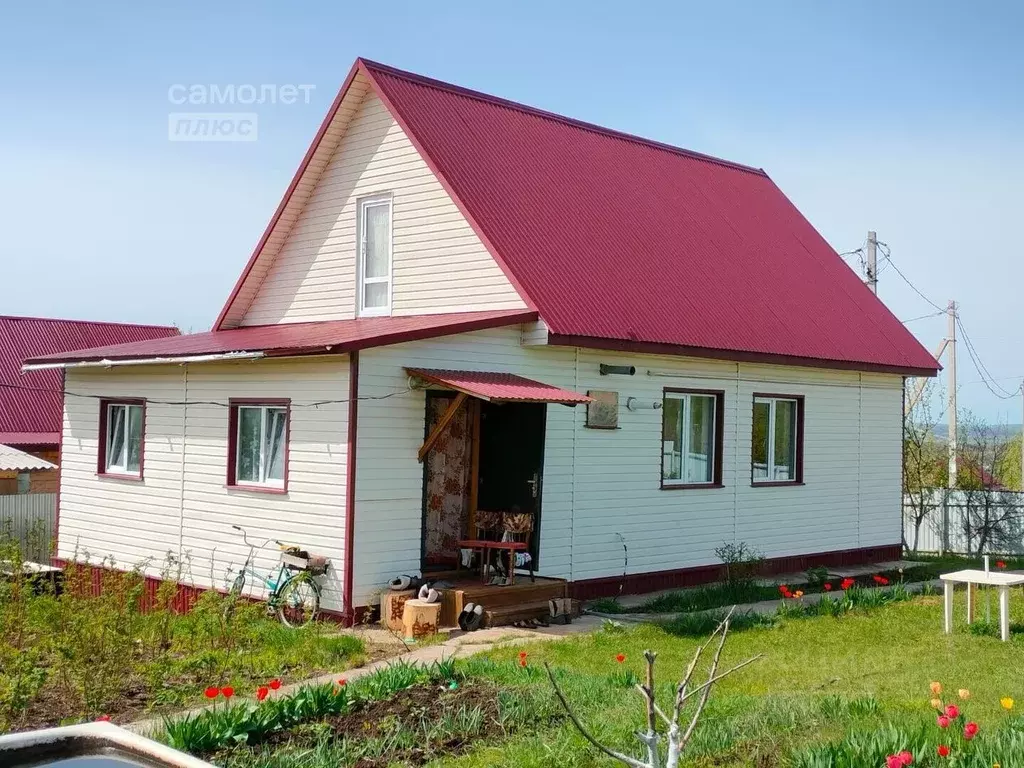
331 336
30 412
620 241
499 386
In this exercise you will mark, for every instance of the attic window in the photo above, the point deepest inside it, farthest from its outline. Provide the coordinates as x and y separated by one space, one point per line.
374 229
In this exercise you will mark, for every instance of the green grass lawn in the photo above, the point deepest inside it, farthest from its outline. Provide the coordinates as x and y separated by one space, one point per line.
821 679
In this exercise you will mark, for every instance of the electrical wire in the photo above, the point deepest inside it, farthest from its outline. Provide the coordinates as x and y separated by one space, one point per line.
922 317
217 403
986 377
887 256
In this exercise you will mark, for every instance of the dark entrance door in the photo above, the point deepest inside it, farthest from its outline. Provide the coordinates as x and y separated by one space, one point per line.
512 460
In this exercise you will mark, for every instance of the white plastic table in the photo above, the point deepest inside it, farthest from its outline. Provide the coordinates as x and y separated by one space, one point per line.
972 578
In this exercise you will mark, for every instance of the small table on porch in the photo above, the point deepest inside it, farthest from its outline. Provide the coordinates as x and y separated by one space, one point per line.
972 578
485 548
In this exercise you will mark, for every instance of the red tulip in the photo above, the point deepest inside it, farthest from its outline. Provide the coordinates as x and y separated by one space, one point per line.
884 581
906 757
1000 564
827 587
522 660
943 750
274 684
103 719
952 712
621 657
211 692
342 682
893 761
262 692
942 721
228 691
970 730
783 588
522 654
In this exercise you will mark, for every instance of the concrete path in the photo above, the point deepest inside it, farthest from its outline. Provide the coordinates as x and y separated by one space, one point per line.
458 645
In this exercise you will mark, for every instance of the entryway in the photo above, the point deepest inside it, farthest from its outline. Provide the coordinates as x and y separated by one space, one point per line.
483 470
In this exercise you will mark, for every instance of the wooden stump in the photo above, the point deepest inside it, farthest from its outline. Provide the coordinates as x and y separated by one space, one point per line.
392 608
420 619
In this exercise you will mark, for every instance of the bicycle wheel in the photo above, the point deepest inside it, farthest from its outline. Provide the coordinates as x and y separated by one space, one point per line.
298 602
233 595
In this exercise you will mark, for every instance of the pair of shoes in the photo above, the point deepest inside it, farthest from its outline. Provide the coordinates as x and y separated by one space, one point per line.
429 594
472 617
404 582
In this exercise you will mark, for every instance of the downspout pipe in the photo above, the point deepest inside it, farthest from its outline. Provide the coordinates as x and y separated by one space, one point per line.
350 485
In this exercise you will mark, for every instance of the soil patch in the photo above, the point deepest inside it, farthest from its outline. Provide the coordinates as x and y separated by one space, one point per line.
413 710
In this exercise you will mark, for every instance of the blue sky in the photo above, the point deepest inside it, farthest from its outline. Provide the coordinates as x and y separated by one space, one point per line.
902 117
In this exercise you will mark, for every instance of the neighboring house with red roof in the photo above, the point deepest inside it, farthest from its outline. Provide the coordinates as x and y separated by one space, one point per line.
31 404
446 273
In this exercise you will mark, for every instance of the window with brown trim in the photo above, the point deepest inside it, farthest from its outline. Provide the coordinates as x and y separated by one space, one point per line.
691 438
122 438
258 432
777 438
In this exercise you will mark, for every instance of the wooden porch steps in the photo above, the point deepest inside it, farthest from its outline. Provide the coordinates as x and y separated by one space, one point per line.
509 614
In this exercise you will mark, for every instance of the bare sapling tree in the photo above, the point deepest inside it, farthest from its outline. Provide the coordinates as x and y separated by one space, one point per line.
677 734
924 465
992 519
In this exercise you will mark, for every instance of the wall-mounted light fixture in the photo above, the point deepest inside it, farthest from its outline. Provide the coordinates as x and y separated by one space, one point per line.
635 404
618 370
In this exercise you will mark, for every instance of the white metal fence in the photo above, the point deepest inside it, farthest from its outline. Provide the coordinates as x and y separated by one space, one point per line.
969 522
29 518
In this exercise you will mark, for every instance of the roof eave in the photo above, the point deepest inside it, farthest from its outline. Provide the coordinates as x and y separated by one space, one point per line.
739 356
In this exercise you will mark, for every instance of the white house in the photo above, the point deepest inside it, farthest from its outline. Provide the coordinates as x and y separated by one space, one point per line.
648 349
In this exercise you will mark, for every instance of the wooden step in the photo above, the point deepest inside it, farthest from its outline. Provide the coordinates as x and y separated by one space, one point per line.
506 615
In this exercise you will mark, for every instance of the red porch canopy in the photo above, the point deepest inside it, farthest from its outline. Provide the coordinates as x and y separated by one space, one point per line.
499 386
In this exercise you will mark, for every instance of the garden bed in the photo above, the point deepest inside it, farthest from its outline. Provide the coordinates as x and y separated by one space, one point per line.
90 650
749 590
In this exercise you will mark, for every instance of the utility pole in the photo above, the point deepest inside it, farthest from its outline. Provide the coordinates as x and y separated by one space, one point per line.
1022 440
951 384
872 266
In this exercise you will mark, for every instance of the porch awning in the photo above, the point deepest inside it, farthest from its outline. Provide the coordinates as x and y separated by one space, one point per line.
499 387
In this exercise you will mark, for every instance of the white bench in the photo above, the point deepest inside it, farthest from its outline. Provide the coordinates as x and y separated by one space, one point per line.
972 578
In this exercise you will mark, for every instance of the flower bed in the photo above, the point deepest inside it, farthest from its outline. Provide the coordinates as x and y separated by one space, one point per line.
744 591
402 713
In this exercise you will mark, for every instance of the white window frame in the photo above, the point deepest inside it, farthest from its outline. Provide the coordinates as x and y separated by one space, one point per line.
686 398
795 469
362 281
263 481
122 469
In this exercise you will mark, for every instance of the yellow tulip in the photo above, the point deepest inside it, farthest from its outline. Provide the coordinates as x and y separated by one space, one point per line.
964 693
936 703
798 593
1007 703
936 688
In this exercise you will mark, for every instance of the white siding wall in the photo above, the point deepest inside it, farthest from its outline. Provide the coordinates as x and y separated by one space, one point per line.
440 265
190 513
600 484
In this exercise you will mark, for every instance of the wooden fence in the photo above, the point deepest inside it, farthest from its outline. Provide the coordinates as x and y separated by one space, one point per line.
30 518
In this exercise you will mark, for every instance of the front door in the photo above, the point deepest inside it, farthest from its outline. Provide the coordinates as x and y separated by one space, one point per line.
512 460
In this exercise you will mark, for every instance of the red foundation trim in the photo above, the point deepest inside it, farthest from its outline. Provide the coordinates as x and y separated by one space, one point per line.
641 583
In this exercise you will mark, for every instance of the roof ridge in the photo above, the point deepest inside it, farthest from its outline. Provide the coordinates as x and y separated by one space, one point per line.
431 82
88 322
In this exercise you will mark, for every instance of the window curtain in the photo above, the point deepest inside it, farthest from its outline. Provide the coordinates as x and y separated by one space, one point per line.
134 437
276 422
115 432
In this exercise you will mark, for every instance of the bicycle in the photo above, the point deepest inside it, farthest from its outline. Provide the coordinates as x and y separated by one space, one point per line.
294 593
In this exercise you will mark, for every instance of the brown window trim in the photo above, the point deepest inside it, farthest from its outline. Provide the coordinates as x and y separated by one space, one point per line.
719 395
101 453
233 404
799 479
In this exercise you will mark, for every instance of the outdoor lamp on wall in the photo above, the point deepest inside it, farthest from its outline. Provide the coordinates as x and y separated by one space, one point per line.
635 404
620 370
